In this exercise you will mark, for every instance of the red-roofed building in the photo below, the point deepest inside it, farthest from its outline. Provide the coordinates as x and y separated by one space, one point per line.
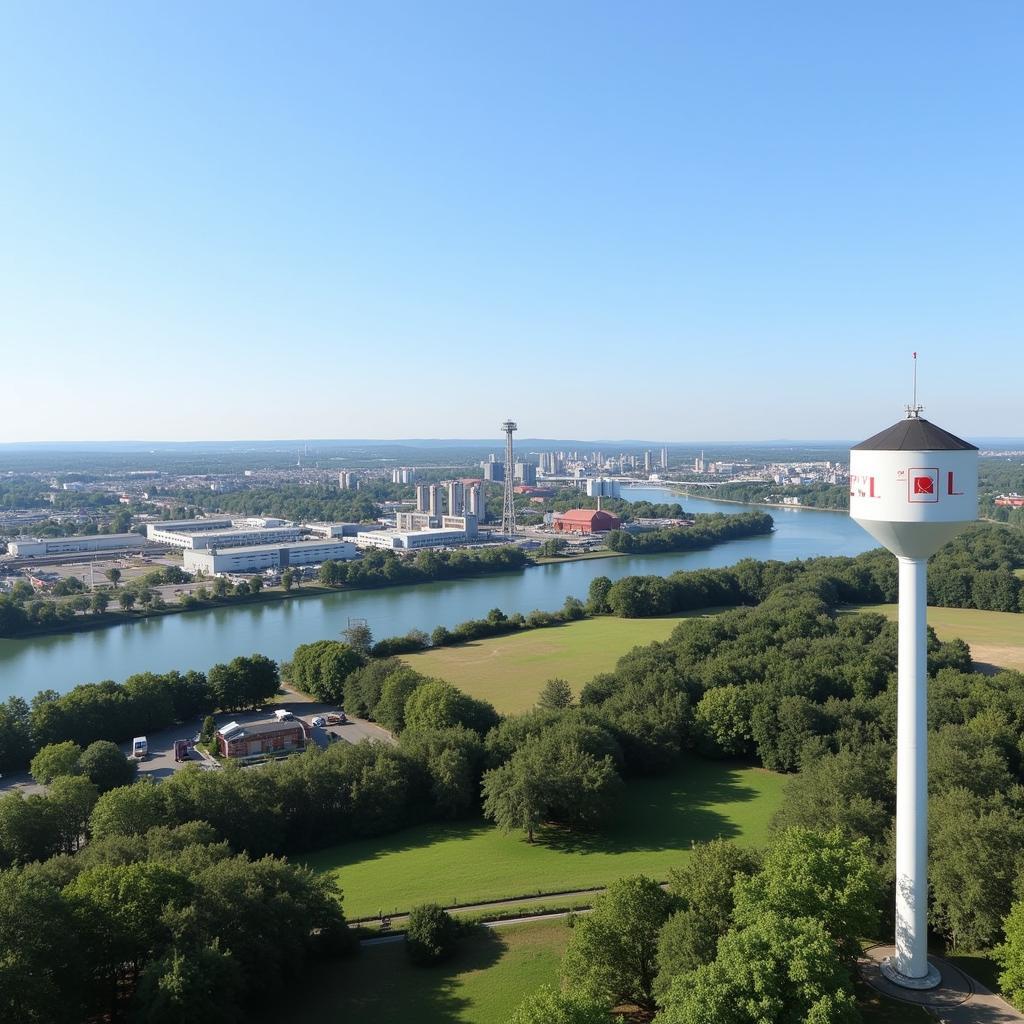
585 520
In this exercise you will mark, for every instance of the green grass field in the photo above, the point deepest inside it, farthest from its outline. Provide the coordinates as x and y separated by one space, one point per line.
489 976
461 862
509 671
493 971
995 638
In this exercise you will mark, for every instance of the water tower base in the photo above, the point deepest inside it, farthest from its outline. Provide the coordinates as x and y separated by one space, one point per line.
931 980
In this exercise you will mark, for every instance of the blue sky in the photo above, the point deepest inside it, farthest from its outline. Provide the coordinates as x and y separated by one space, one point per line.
666 220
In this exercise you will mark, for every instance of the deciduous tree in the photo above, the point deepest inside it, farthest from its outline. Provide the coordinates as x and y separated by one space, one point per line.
612 955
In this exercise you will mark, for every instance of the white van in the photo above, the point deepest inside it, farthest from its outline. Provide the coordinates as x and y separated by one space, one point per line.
283 715
140 748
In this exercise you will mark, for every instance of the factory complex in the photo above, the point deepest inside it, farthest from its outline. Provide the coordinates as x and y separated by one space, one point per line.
232 538
421 530
256 557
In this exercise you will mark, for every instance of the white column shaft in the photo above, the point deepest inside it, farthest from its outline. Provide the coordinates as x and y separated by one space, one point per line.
912 773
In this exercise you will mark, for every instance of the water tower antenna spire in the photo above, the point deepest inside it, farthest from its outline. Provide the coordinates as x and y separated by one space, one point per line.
914 410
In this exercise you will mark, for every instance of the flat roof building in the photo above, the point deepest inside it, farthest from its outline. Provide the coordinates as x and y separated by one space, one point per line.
189 525
33 547
333 529
256 557
401 540
234 538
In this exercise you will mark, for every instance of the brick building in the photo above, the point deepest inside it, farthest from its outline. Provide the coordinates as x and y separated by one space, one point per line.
585 520
255 738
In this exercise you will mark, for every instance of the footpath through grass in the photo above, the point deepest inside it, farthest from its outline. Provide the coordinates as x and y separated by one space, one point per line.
463 862
996 639
510 671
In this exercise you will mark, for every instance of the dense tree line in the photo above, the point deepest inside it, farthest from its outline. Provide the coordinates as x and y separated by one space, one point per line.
736 938
816 495
321 502
974 571
24 611
1000 476
706 531
143 703
383 568
796 686
155 928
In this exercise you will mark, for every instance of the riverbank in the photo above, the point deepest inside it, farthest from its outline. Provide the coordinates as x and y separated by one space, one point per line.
719 533
760 504
580 557
275 627
88 622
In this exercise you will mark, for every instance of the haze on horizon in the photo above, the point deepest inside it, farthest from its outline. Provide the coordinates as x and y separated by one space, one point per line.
672 221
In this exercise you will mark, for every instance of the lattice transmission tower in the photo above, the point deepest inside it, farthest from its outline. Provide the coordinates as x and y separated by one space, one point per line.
508 511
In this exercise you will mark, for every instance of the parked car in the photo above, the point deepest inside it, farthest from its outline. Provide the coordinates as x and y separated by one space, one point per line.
319 721
337 718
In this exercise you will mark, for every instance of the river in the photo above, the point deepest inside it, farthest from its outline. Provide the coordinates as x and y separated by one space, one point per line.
202 638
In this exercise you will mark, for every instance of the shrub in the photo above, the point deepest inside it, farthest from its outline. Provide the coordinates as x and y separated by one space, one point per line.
432 934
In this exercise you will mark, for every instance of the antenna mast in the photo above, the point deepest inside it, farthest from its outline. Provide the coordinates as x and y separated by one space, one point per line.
508 511
914 411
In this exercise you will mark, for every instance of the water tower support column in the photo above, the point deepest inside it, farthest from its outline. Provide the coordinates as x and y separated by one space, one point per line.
911 960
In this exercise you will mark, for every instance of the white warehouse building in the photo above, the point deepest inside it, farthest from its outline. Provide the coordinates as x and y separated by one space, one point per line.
402 540
186 526
31 547
233 538
333 529
255 557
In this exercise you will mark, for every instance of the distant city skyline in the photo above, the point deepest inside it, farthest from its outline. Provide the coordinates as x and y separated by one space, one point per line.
680 222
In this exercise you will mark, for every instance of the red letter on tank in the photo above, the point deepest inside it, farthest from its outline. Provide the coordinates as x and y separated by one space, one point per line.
949 484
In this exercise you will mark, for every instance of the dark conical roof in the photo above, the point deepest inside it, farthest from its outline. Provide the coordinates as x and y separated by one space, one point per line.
914 435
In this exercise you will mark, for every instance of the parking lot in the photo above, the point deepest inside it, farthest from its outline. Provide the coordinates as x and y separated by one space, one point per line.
160 763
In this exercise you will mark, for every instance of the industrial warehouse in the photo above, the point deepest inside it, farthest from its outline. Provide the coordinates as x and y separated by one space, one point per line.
255 557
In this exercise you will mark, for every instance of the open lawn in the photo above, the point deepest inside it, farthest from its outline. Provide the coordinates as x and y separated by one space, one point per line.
462 862
509 671
493 971
490 975
996 639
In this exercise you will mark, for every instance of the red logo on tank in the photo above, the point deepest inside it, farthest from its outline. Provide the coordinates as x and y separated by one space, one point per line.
923 484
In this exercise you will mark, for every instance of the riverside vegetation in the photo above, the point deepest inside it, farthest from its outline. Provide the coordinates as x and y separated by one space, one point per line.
23 612
785 682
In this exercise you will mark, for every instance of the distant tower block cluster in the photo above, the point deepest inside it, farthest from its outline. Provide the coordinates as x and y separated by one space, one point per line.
508 508
456 497
913 487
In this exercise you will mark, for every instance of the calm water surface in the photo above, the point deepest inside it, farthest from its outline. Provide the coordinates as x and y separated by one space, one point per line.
200 639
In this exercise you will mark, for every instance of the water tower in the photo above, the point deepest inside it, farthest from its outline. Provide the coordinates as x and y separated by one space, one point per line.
913 487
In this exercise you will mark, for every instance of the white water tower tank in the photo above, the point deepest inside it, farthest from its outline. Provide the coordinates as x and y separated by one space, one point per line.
914 486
